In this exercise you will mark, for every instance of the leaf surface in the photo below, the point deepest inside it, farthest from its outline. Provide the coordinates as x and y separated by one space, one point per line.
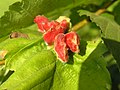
39 69
110 30
21 14
80 71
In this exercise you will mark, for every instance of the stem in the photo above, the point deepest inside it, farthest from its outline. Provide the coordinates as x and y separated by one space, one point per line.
79 25
98 12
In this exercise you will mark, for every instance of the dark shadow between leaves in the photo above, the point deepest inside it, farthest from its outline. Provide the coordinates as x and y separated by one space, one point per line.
75 17
82 47
116 12
52 80
7 76
115 76
114 48
71 61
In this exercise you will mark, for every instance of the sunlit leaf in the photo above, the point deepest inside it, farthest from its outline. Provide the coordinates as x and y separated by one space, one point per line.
37 70
81 71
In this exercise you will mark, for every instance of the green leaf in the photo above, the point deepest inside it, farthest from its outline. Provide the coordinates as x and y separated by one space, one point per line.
114 47
34 67
89 32
21 14
38 70
20 50
85 71
74 75
93 72
5 4
110 30
31 31
116 13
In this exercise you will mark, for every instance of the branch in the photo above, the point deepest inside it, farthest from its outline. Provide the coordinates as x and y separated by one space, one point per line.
98 12
79 25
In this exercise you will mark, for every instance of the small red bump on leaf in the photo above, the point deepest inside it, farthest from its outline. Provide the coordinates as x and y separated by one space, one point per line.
61 47
42 23
40 19
50 25
49 36
41 28
73 41
64 24
54 24
46 26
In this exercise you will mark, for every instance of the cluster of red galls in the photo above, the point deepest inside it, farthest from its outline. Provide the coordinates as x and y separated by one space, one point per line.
54 33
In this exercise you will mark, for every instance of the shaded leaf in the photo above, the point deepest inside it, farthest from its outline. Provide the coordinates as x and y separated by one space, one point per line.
89 32
110 30
21 14
117 13
114 47
5 4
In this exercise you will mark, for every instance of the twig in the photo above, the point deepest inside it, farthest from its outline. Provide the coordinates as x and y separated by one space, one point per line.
98 12
79 25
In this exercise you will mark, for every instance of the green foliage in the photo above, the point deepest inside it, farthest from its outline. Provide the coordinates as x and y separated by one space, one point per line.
114 47
31 65
81 71
116 13
4 5
110 30
37 70
21 14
